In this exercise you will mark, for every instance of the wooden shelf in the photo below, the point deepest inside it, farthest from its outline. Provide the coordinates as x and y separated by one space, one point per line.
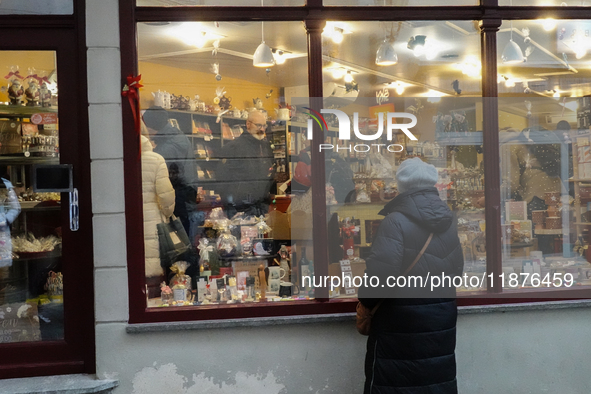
548 231
24 111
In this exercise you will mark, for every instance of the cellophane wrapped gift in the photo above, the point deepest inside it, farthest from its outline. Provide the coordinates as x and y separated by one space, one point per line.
180 282
226 243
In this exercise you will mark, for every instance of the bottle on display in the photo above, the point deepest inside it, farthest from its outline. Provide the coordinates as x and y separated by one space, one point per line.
304 265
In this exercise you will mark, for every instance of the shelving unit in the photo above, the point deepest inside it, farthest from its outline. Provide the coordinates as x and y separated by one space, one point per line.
29 270
207 146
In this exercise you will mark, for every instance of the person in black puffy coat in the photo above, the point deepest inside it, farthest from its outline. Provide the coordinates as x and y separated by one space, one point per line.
411 345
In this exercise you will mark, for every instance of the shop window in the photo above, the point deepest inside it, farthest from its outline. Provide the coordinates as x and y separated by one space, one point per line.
399 3
430 70
221 123
544 3
37 7
544 135
31 280
226 3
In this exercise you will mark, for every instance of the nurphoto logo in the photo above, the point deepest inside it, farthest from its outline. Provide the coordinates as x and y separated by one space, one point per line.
344 132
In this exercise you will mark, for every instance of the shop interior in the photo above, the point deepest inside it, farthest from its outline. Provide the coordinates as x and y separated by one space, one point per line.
210 76
31 280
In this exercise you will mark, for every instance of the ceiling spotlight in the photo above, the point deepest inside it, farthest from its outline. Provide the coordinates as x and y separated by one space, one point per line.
548 24
278 55
417 44
337 35
512 53
386 55
263 57
348 77
338 73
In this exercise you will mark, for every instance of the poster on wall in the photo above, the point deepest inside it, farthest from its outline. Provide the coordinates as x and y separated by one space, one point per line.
19 322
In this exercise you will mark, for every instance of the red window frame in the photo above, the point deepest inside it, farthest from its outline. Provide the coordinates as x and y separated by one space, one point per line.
313 14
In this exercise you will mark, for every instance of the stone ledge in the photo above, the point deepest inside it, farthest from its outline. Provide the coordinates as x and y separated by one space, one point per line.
526 306
235 323
57 384
338 317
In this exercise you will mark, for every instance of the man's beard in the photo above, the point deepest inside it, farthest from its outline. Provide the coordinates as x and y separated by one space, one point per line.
259 136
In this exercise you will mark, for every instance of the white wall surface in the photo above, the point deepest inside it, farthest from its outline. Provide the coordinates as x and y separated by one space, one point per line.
512 352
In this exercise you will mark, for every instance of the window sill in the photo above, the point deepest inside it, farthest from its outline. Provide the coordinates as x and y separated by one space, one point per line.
58 384
234 323
526 306
337 317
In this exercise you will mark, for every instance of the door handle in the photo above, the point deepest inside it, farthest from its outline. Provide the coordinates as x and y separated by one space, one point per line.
74 211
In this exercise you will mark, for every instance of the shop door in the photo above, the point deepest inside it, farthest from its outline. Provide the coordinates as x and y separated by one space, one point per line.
46 293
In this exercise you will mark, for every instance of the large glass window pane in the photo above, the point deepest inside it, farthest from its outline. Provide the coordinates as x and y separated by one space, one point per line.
430 70
31 280
226 3
37 7
219 103
544 135
399 3
544 3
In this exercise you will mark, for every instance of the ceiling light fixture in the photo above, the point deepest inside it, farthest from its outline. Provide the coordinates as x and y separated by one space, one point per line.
349 77
386 54
338 73
512 53
278 55
417 44
548 24
337 35
263 57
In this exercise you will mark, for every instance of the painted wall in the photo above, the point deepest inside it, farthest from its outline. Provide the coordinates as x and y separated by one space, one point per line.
43 63
514 352
190 83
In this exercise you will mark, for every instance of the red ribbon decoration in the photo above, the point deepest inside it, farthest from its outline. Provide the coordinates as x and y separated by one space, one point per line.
130 90
14 73
35 76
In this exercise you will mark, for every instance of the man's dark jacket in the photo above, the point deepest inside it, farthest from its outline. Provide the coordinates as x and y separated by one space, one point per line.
411 347
245 174
175 147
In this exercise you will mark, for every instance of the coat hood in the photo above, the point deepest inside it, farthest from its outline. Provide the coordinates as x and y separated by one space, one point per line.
424 207
146 144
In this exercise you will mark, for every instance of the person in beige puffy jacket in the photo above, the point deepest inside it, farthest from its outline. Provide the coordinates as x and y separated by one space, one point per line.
158 200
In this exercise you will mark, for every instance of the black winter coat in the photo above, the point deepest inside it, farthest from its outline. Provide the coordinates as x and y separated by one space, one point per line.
411 347
246 173
175 147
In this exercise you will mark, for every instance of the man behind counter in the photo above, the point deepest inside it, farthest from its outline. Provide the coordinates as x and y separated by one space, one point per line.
245 174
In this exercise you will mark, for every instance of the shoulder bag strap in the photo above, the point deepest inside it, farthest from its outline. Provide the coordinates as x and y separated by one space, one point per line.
375 308
419 255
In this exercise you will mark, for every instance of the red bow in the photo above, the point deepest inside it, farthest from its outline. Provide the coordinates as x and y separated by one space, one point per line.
43 79
348 231
131 90
35 76
14 73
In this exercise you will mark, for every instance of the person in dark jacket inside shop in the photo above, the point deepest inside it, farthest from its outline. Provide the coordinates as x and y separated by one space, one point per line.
171 143
246 173
411 345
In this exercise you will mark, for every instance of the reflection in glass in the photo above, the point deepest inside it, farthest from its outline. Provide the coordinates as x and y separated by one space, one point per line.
37 7
398 3
544 136
225 3
225 131
437 79
31 279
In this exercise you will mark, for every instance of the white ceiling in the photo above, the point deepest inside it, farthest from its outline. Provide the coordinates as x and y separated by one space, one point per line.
546 67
